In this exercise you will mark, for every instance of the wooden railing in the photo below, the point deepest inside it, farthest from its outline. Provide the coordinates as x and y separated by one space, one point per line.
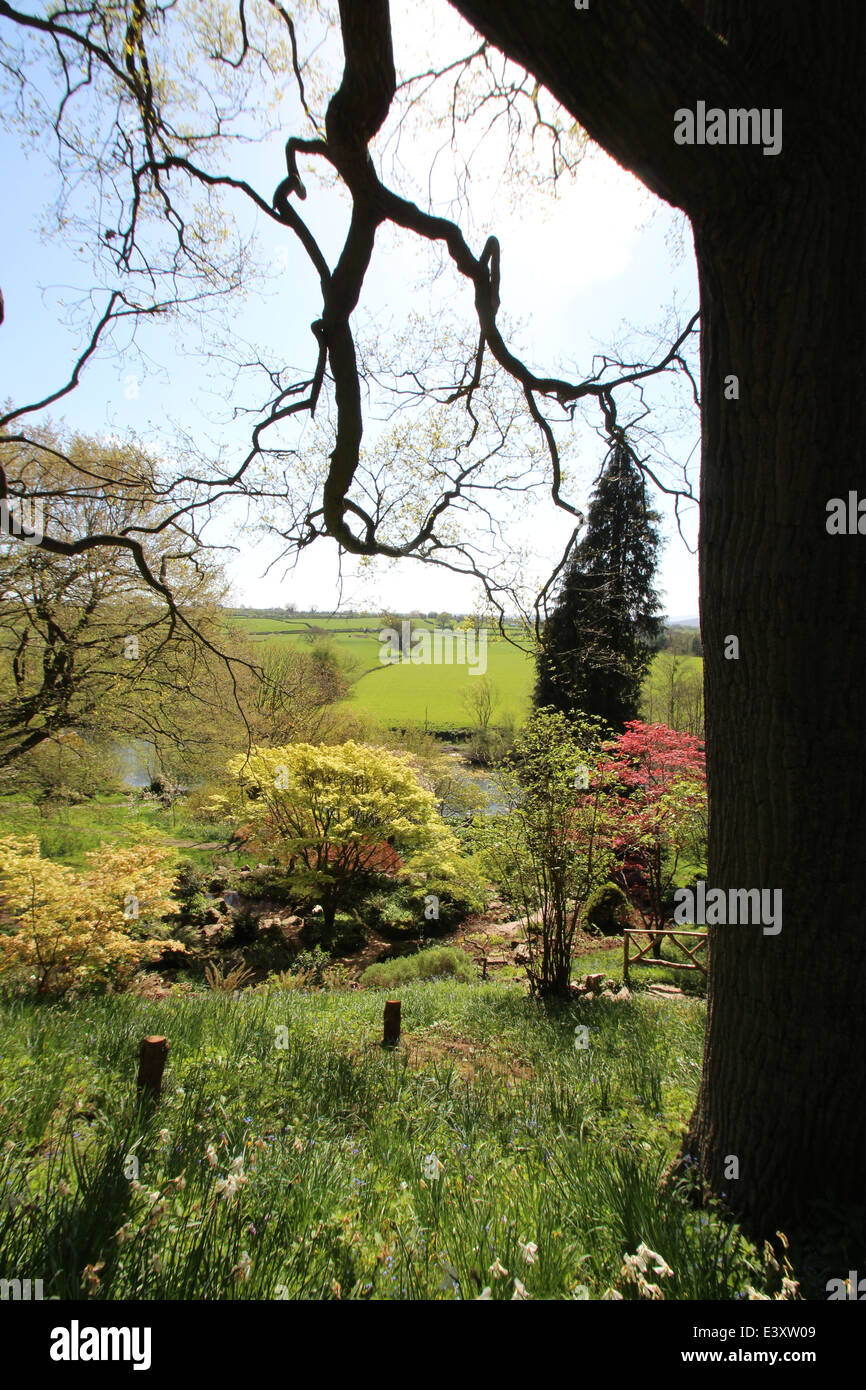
643 956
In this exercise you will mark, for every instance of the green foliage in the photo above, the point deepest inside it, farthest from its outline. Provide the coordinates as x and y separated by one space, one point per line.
337 813
605 910
406 906
423 965
189 889
550 849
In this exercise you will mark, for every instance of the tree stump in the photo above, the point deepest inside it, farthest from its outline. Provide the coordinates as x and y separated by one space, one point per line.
392 1023
151 1064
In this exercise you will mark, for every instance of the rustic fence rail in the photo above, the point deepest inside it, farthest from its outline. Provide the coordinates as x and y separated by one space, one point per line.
643 956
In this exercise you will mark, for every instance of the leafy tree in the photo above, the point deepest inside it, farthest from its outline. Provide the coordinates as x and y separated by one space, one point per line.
293 700
549 849
78 929
673 695
598 641
84 645
660 810
338 814
480 697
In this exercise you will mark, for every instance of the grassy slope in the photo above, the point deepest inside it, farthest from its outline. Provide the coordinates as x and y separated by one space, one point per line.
539 1141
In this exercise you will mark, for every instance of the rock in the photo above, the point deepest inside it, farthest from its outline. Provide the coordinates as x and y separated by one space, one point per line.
623 995
607 994
593 982
244 871
521 956
212 916
610 984
318 911
589 995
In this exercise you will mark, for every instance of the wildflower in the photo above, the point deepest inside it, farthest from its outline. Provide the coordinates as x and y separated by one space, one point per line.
529 1251
242 1269
63 1188
611 1295
164 1136
124 1234
298 1146
90 1277
230 1186
260 1145
335 1288
497 1270
136 1186
519 1291
211 1155
156 1263
485 1295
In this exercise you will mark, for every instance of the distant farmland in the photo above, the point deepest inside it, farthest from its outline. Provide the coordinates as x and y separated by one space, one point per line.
424 694
403 694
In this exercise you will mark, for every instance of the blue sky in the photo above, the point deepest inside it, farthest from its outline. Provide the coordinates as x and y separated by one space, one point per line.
574 269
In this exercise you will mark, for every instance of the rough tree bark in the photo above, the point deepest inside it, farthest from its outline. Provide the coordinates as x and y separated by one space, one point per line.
781 252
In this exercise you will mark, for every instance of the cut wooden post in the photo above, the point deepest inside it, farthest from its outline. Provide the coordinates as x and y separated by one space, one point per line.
151 1064
625 939
392 1023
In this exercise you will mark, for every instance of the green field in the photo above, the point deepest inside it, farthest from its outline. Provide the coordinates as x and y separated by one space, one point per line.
404 693
432 695
429 694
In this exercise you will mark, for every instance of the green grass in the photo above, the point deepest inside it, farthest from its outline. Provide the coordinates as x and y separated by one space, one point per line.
421 965
406 694
539 1141
69 833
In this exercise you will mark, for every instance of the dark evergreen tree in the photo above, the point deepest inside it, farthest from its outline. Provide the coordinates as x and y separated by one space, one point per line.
601 633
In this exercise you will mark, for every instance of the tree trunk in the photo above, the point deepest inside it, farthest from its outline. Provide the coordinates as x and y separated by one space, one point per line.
781 244
783 300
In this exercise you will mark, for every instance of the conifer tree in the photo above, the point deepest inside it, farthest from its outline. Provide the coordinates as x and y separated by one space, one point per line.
601 633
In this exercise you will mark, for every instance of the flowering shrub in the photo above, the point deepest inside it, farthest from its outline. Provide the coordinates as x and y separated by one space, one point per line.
73 929
660 812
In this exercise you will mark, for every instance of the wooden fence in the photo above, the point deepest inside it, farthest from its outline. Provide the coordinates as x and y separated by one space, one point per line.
644 956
